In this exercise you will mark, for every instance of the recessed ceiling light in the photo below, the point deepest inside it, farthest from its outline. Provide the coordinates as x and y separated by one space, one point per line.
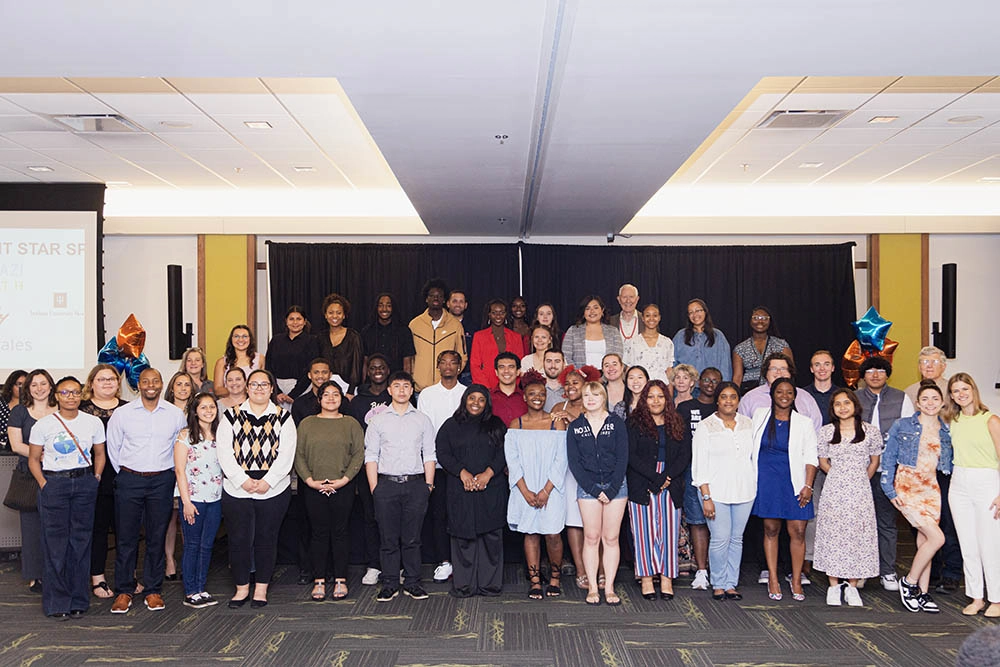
958 120
177 124
39 168
810 165
990 179
118 184
304 168
257 124
883 119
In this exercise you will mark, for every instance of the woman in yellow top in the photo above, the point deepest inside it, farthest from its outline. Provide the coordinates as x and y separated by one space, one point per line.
975 492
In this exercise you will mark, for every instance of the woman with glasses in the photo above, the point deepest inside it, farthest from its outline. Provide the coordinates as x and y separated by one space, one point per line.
38 400
66 459
749 355
101 397
256 448
700 344
241 352
194 363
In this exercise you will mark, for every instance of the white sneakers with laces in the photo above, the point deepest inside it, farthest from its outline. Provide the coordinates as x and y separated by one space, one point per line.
700 582
442 572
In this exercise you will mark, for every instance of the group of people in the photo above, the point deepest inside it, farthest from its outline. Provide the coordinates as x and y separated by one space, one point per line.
517 426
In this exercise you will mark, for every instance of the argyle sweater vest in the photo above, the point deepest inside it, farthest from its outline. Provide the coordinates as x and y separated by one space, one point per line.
256 439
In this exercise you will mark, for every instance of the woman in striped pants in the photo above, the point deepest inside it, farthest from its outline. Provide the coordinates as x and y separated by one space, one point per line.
659 453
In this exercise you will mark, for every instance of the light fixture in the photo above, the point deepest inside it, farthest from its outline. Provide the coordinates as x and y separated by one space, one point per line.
500 138
257 124
118 184
304 168
958 120
501 220
176 124
810 165
990 179
882 120
40 168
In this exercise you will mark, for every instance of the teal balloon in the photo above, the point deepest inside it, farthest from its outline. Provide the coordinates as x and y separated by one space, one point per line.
128 367
871 330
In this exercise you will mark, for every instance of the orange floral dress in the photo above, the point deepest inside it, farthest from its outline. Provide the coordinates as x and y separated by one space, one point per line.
918 487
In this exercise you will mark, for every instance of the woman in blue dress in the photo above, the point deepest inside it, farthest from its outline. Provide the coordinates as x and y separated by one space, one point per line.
786 467
535 448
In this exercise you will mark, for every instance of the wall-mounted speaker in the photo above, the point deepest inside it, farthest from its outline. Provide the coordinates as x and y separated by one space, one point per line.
179 334
944 332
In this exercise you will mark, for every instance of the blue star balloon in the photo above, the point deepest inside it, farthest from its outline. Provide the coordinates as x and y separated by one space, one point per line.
129 367
871 330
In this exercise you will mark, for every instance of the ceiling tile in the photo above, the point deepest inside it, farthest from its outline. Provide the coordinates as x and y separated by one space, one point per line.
27 124
59 103
149 104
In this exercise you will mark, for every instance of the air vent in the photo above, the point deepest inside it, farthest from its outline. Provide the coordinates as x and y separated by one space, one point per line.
98 123
801 120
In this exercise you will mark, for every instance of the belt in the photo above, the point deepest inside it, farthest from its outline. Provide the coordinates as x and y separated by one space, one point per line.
144 474
401 479
75 472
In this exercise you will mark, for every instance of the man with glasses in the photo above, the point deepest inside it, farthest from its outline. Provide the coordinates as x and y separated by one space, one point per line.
779 366
140 448
881 406
932 365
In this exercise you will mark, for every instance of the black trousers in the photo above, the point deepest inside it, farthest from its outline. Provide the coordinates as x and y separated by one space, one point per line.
142 502
437 519
104 518
252 526
888 534
478 565
400 510
947 561
371 536
66 507
328 520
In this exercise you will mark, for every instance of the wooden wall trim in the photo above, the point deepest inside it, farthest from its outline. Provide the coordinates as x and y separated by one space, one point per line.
873 271
925 306
201 293
251 279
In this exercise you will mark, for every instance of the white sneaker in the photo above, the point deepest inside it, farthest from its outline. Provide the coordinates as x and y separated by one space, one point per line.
371 576
890 582
852 596
803 579
700 582
764 576
833 595
442 572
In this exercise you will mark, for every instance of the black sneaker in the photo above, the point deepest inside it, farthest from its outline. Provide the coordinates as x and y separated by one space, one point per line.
195 601
386 594
946 586
909 595
207 600
928 604
415 592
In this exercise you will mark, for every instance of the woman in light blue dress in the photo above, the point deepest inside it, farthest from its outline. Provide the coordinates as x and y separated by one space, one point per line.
535 448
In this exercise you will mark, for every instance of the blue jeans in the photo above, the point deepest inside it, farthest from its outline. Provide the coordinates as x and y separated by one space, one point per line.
199 538
66 509
725 549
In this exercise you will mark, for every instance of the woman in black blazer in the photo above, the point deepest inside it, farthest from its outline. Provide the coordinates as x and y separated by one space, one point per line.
659 451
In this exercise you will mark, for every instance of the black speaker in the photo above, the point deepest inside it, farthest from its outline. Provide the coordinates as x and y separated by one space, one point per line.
944 336
178 333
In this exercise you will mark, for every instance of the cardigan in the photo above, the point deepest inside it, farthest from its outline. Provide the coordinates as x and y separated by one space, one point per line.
642 477
575 349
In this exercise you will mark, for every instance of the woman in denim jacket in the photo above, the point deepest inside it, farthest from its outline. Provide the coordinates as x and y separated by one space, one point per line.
918 446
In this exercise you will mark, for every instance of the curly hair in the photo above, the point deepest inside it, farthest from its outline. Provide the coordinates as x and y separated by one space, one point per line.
530 377
586 373
642 418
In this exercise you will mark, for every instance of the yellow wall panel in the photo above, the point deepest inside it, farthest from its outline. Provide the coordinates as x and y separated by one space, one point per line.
225 291
900 295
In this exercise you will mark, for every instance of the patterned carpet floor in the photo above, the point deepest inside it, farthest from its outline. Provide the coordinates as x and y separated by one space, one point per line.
692 629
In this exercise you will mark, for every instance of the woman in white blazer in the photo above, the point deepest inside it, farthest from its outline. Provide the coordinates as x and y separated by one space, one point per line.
786 467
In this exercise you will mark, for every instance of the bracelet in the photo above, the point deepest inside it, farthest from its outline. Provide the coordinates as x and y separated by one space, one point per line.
809 487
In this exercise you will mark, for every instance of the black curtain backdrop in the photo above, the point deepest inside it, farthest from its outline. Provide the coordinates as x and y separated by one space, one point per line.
809 289
304 273
64 197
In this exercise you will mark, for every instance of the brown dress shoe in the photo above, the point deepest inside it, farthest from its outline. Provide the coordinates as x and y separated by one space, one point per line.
154 602
122 604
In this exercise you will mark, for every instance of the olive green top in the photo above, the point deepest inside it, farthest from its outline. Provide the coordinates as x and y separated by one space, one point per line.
329 448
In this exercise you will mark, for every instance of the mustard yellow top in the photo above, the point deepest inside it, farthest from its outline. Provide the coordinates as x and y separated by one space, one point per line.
972 442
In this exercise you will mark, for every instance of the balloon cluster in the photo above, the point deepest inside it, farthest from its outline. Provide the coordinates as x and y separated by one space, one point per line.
124 351
871 341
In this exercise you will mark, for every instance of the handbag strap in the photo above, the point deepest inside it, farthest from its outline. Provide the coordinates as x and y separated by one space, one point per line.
75 441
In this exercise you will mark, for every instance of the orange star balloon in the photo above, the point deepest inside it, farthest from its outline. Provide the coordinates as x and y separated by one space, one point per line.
850 365
131 337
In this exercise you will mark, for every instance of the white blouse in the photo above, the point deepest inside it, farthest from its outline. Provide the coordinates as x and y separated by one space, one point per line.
725 459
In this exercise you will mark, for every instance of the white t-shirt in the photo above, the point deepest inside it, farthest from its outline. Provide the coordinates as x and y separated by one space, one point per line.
59 451
439 403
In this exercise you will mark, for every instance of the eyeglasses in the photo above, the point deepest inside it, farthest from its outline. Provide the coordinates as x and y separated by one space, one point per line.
761 318
709 381
929 362
695 312
875 371
105 380
69 392
259 385
241 337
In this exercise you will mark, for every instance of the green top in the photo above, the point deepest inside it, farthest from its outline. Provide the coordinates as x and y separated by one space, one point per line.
972 442
329 448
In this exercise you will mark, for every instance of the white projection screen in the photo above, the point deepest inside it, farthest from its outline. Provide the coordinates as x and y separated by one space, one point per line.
48 291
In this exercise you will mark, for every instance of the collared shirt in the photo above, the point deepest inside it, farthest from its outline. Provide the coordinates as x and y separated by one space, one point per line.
142 440
400 443
508 408
700 355
822 399
760 397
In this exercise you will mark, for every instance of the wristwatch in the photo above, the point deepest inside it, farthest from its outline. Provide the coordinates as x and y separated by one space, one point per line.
430 487
705 496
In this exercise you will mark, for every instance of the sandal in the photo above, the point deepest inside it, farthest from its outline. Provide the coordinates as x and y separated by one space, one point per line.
535 577
612 600
319 591
339 589
104 588
593 598
582 582
553 590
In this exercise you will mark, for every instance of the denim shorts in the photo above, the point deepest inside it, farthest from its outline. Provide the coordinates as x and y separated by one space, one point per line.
583 495
693 511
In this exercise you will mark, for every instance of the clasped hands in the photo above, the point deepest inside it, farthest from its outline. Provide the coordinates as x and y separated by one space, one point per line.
258 486
327 487
476 482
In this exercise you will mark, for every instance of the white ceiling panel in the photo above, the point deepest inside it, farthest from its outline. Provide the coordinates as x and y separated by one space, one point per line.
979 100
200 140
44 140
10 109
115 141
874 164
235 123
823 101
839 136
161 123
927 170
905 117
11 176
941 119
59 103
250 107
930 136
27 124
988 168
916 101
149 104
765 138
828 156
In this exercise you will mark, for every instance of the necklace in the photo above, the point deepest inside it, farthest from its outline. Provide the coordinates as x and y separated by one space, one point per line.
635 326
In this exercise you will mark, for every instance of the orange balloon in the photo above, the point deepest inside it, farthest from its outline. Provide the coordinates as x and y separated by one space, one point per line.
131 337
850 365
